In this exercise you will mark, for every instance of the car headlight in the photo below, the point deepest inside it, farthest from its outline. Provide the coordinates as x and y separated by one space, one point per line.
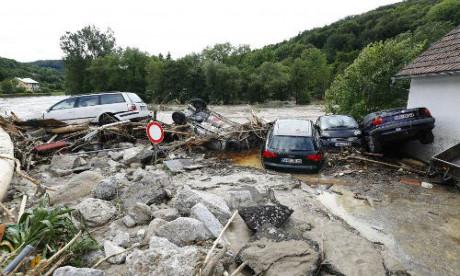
357 132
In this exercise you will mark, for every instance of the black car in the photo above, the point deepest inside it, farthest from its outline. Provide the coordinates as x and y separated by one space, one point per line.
396 126
337 131
293 144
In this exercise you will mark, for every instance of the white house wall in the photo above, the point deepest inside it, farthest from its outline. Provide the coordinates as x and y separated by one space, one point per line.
441 95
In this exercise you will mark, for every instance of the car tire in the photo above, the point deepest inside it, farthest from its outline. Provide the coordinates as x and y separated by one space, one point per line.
426 137
198 104
373 145
179 118
107 118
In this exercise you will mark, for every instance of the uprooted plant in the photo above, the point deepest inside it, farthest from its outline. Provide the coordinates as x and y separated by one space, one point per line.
48 230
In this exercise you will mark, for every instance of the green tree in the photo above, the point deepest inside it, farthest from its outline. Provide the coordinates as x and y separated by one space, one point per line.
446 10
80 49
223 83
366 85
7 86
269 81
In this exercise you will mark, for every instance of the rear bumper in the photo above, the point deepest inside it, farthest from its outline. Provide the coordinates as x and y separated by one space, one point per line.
308 168
133 115
402 131
340 142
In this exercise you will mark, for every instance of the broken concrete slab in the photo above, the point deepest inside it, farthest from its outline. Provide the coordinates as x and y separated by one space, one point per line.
163 258
201 213
257 216
96 212
182 231
77 187
186 198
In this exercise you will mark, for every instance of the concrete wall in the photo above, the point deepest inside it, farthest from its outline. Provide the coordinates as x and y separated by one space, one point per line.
441 95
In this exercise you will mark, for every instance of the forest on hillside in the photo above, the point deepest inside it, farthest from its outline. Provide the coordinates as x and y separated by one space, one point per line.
50 78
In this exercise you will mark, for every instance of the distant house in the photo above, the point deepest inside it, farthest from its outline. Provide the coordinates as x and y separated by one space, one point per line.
435 84
29 84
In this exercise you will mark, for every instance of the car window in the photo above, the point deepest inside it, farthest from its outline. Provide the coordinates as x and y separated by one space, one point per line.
338 122
65 104
88 101
135 98
287 143
112 98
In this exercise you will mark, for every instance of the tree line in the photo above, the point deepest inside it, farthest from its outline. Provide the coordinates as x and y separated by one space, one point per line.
324 63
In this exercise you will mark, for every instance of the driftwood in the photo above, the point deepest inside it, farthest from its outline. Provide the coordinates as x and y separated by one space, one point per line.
390 165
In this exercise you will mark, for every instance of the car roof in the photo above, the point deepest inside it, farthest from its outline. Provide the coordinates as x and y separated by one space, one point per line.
293 127
98 93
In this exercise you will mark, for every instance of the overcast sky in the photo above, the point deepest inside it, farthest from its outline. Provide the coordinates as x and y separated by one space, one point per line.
30 29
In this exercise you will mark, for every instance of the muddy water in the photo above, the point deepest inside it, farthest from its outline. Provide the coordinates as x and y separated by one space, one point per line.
418 227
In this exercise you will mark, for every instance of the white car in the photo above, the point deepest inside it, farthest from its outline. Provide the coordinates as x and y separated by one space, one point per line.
93 108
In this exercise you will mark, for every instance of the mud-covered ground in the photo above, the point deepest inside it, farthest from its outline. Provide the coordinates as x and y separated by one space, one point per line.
419 227
366 221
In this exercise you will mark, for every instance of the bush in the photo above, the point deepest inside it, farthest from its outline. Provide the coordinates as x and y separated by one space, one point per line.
366 85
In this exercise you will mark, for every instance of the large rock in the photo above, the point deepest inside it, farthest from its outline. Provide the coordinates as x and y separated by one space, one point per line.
167 214
110 249
186 198
66 162
121 238
106 189
257 216
149 190
201 213
95 211
163 258
78 186
75 271
153 228
239 198
136 155
182 231
273 253
141 213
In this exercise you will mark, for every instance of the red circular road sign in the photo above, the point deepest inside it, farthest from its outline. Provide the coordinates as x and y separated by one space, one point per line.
155 132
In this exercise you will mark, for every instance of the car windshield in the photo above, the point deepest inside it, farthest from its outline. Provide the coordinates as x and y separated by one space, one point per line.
64 104
291 143
338 121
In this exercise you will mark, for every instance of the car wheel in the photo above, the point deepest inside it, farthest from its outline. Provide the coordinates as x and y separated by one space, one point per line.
107 118
373 145
198 104
179 118
426 137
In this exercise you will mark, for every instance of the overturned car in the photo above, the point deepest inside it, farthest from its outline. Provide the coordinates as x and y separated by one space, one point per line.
397 125
220 133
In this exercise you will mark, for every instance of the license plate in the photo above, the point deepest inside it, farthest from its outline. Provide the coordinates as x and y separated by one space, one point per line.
404 116
291 161
343 144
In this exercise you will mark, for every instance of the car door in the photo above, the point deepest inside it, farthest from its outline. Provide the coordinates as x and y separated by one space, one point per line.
63 110
86 108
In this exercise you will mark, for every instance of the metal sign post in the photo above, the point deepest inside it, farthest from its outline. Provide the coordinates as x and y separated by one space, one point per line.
156 134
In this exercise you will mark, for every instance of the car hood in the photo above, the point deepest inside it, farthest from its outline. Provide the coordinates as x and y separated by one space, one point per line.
339 133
